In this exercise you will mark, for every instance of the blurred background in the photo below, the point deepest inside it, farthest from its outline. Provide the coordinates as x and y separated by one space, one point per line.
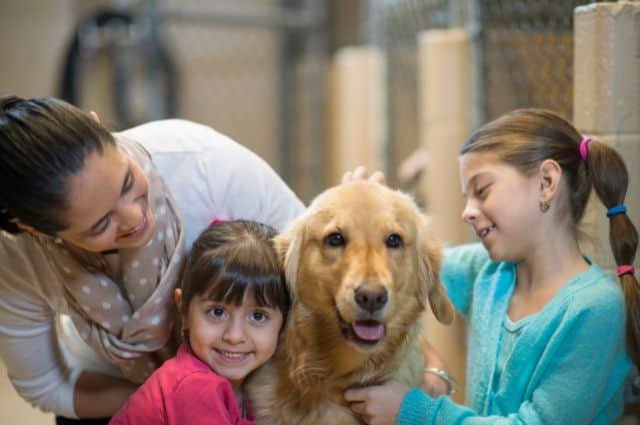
316 87
258 70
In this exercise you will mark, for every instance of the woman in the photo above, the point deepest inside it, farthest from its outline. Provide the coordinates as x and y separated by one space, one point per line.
95 226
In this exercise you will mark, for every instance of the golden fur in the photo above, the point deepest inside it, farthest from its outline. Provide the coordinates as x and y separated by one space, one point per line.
321 351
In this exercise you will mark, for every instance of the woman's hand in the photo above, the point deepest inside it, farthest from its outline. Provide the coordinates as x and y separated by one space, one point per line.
377 405
361 173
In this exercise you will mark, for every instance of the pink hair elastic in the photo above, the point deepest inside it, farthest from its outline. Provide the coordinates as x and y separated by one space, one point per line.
583 147
620 270
215 221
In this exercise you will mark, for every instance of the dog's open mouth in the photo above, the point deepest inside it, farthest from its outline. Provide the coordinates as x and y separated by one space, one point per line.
368 330
363 332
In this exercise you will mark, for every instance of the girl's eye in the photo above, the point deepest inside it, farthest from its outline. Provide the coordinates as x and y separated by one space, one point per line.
259 316
482 191
216 311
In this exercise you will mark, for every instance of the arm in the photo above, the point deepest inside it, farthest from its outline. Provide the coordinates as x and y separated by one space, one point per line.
433 384
575 356
459 270
29 342
97 395
28 338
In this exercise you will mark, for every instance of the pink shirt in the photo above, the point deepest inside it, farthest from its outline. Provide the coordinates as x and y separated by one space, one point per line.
183 391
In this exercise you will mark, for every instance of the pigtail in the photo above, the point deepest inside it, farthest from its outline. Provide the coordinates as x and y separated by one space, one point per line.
610 180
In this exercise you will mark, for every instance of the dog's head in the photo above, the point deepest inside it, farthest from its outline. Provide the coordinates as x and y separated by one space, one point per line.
361 256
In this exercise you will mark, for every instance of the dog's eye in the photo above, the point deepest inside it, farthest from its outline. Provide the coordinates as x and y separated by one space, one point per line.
335 239
394 241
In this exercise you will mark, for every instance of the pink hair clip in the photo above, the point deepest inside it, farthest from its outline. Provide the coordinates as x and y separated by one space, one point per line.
583 147
620 270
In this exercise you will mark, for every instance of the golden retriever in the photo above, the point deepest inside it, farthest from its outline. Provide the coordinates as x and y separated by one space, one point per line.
360 265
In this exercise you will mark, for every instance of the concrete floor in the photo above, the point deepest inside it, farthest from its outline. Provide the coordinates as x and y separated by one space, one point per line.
14 410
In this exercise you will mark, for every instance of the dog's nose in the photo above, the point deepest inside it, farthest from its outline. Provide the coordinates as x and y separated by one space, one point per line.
371 299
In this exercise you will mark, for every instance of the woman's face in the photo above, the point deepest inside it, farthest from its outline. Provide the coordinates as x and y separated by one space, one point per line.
109 206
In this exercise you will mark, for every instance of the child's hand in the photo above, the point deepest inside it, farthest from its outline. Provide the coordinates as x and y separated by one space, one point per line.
361 173
377 405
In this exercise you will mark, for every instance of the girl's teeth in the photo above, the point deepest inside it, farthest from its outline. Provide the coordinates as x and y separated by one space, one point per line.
231 355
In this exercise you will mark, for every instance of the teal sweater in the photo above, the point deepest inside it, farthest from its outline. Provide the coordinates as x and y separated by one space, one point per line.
567 367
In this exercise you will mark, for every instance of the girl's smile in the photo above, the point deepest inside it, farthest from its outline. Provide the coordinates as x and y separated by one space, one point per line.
232 339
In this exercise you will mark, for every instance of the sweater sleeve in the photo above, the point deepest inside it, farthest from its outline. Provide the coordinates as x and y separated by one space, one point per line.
581 384
460 268
28 337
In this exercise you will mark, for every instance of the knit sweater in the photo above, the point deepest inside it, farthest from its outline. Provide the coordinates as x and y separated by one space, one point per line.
567 367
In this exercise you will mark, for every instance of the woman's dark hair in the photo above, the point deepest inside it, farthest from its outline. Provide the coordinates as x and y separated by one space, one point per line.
525 137
43 141
230 258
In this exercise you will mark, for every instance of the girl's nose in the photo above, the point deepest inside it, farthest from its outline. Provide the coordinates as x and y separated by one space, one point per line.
470 213
234 332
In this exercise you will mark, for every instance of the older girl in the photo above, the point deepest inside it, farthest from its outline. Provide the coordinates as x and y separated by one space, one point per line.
546 325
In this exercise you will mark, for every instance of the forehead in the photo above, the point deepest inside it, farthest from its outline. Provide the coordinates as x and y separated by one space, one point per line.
94 189
474 164
366 207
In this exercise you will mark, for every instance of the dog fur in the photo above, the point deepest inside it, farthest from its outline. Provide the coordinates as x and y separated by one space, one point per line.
359 258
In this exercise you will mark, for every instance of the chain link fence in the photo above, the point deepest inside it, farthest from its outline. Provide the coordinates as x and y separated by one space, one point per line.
522 57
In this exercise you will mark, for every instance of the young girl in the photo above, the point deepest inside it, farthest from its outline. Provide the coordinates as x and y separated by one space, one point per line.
546 325
93 230
232 301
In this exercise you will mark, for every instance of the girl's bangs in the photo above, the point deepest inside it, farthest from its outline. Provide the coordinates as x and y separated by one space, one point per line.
267 289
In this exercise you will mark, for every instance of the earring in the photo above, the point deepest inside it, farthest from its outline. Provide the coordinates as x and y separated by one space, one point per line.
544 206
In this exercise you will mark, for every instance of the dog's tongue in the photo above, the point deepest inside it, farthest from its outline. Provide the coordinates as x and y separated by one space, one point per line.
368 330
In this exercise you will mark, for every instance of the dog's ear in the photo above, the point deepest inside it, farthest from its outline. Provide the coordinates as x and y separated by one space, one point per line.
288 246
430 288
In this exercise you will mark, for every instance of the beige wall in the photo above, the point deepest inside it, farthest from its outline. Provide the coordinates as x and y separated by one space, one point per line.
33 34
227 74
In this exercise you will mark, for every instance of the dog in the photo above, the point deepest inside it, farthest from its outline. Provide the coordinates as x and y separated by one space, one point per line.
360 265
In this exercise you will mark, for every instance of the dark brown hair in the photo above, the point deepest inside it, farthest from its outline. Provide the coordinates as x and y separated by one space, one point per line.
230 258
43 141
525 137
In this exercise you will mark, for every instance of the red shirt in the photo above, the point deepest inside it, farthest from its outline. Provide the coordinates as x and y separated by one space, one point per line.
183 391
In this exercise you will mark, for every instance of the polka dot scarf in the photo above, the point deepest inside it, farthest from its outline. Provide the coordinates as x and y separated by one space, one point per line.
123 306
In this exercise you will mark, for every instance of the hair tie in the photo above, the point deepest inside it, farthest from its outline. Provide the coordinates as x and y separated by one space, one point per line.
583 147
615 210
215 221
628 268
